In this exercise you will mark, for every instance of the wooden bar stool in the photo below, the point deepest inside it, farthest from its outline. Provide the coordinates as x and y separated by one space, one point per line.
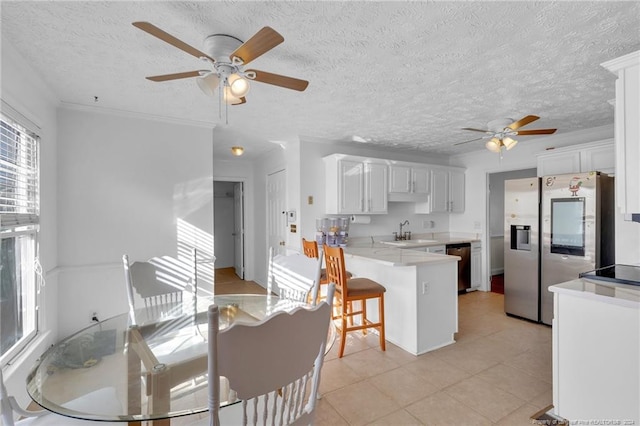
349 290
310 249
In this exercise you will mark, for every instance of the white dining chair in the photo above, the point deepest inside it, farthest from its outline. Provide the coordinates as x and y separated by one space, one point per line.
161 283
273 366
102 400
296 276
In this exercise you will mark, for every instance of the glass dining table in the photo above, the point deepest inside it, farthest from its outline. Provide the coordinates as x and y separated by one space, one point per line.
155 365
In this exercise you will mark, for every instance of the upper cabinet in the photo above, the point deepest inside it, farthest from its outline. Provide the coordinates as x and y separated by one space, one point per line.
627 130
588 157
409 183
447 192
355 185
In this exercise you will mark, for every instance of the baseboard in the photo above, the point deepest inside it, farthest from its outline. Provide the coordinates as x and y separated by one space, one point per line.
497 271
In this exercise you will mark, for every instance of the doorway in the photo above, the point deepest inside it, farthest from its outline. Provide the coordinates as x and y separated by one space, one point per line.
495 225
228 230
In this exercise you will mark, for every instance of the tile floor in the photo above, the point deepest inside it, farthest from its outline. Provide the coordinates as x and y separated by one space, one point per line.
497 372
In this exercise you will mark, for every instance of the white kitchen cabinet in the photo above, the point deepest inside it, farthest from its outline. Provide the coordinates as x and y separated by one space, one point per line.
409 183
447 192
627 130
596 347
355 185
476 264
588 157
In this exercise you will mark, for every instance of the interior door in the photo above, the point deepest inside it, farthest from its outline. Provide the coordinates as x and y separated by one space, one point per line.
276 217
238 228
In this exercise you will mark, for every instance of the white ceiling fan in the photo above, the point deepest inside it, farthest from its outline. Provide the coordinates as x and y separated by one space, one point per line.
500 132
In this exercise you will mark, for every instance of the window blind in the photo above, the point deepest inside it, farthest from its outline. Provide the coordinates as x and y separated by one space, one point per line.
19 175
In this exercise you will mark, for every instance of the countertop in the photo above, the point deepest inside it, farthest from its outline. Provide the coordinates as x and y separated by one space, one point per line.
603 291
394 256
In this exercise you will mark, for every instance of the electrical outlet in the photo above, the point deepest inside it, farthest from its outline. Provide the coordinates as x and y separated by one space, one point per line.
425 287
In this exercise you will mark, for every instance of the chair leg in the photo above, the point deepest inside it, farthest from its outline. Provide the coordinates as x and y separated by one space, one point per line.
364 315
381 319
343 335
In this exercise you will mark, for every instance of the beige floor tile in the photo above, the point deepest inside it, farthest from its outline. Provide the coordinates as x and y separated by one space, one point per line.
491 402
436 371
441 409
326 415
514 381
402 386
336 375
370 362
536 362
519 417
465 355
543 400
361 403
397 418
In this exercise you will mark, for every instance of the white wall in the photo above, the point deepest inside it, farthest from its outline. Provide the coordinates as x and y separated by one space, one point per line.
125 185
481 163
26 93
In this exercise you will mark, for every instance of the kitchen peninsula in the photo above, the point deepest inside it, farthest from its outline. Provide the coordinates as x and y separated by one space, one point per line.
421 301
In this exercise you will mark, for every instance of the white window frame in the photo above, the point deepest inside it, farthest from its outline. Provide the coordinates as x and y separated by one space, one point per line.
20 220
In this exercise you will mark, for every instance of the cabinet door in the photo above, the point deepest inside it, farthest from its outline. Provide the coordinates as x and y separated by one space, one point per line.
351 187
400 179
439 200
476 265
420 181
558 164
456 192
599 158
377 188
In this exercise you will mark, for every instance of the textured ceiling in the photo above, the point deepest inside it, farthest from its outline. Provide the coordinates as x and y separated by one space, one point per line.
406 75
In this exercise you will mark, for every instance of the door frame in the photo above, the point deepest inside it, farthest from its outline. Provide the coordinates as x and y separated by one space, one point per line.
248 231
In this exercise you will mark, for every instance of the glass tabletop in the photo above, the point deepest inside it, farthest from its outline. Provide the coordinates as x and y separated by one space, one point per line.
157 368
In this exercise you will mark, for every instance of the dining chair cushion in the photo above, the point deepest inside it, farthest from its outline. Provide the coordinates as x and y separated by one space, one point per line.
363 286
104 401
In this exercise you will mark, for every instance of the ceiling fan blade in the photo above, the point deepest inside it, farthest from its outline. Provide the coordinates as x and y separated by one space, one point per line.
175 76
523 122
261 42
279 80
535 132
472 140
168 38
243 100
475 130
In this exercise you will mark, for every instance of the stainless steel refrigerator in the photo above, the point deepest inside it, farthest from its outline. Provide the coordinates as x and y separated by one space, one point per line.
573 233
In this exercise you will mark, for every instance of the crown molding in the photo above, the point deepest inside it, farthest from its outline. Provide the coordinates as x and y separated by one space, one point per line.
139 115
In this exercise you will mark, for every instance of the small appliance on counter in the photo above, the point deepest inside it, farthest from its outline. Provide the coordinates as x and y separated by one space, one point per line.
332 231
620 274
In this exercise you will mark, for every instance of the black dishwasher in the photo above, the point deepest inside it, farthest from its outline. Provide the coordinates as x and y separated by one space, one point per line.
463 250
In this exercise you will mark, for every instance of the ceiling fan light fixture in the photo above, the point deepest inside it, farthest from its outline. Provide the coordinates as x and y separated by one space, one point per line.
238 85
208 83
509 143
237 150
230 98
494 145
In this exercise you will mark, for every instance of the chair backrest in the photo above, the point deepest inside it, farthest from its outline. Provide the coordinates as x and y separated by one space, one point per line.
310 248
273 365
9 406
336 271
296 276
160 282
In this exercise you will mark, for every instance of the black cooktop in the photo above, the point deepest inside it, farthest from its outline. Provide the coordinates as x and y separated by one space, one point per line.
625 274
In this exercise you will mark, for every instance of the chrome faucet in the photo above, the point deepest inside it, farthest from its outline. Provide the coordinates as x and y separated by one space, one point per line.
402 236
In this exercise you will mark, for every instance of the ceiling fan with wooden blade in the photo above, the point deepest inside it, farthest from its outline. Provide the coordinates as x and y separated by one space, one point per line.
226 57
500 132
